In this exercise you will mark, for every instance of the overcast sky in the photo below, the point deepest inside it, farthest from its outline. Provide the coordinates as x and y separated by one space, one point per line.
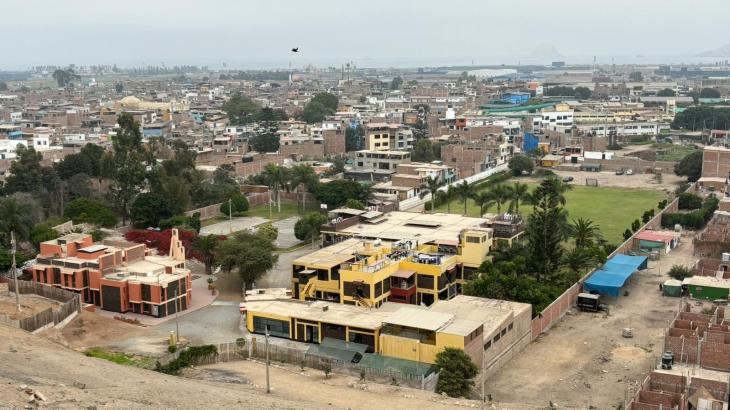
253 33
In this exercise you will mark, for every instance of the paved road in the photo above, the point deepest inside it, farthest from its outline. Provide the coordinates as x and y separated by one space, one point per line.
237 224
280 276
286 237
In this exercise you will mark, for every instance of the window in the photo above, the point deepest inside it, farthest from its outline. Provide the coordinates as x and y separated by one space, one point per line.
278 328
487 345
496 338
509 327
425 281
146 293
504 332
473 239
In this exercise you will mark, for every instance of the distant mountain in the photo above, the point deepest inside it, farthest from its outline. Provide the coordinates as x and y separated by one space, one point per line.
723 51
545 51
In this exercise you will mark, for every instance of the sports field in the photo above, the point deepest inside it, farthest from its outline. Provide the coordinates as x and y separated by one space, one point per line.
612 209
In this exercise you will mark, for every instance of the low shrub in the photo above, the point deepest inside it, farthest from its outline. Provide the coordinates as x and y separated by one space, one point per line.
189 357
680 272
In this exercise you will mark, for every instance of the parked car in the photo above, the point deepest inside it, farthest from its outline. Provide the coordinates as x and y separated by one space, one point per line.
619 172
629 172
567 179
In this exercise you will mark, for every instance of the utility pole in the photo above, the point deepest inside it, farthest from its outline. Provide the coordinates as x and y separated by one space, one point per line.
268 385
15 270
271 217
482 405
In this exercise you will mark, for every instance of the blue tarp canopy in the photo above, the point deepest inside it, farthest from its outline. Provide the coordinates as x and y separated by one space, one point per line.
612 276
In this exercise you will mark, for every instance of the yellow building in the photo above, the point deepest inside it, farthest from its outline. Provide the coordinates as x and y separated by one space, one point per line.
370 273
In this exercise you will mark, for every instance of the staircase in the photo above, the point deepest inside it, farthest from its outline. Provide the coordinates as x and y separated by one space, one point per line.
362 301
309 289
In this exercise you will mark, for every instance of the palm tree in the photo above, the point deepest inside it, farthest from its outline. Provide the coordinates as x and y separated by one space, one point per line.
484 199
446 196
500 193
560 187
432 185
207 246
465 191
302 175
577 259
584 232
519 192
276 178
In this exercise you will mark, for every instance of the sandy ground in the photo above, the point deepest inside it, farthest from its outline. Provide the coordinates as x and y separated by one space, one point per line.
584 361
89 330
339 391
610 179
29 304
70 380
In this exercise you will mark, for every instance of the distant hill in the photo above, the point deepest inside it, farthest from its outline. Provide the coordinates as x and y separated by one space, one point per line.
545 51
723 51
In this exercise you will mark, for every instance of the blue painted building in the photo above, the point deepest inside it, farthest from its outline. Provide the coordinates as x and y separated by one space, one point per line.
529 142
515 97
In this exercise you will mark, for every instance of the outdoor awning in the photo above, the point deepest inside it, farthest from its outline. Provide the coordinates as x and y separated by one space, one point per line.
612 276
402 273
308 272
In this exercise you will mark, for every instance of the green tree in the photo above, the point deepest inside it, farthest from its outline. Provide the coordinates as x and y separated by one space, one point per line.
500 194
277 179
18 213
423 151
268 230
319 107
148 209
354 204
456 372
241 109
308 227
635 225
627 234
582 93
484 199
465 191
520 164
129 170
584 233
337 192
546 228
237 204
91 211
73 164
249 254
301 175
206 245
396 83
446 196
64 78
578 259
42 232
328 100
518 193
666 92
267 142
710 93
680 272
702 117
25 173
690 166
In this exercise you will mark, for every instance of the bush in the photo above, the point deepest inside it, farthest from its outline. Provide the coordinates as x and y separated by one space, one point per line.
680 272
172 348
85 210
456 372
238 205
190 356
693 220
519 164
689 201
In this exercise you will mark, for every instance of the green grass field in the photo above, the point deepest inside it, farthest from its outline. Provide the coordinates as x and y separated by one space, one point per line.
288 209
612 209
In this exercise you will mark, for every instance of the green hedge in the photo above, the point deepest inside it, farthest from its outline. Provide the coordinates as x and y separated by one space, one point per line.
695 219
188 357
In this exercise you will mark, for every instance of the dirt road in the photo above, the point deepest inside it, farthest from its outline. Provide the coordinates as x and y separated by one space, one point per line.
584 361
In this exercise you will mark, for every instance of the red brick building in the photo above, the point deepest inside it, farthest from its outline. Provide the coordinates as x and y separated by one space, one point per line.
117 276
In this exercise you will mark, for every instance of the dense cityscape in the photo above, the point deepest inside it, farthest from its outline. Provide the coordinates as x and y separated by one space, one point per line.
548 234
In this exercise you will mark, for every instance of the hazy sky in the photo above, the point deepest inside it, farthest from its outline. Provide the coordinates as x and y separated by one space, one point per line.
252 33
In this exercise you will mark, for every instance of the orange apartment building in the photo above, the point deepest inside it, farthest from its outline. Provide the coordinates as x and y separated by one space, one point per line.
117 276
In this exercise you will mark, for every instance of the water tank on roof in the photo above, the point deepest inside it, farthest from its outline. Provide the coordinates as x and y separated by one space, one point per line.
726 257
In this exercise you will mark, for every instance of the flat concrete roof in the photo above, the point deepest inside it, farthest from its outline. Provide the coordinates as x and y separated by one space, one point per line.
419 318
335 313
398 225
332 255
491 313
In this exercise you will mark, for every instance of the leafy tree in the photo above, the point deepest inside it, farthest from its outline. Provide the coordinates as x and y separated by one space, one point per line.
519 164
635 225
465 191
582 93
268 230
337 192
500 194
702 117
423 151
456 372
26 173
396 83
241 110
329 100
42 232
627 234
129 170
73 164
446 196
308 227
666 92
250 254
680 272
303 175
277 179
238 205
353 138
267 142
269 115
690 166
78 186
584 233
688 200
546 227
207 245
119 87
710 93
86 210
18 213
319 107
148 209
354 204
64 78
